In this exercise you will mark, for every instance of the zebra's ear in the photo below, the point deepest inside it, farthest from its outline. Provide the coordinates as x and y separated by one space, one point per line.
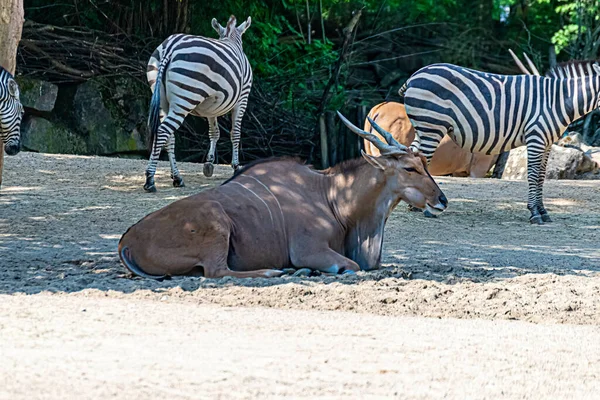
244 26
13 88
596 68
217 27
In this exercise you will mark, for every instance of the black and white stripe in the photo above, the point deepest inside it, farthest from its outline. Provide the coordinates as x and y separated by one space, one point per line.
489 113
11 113
199 76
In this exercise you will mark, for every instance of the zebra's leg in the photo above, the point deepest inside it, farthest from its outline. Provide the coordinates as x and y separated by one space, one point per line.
168 126
177 179
535 156
213 134
236 123
426 143
540 186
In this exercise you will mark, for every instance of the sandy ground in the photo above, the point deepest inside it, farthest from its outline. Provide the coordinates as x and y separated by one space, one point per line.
81 348
60 221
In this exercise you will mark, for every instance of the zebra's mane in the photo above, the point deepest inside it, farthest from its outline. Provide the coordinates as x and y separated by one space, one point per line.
4 72
571 69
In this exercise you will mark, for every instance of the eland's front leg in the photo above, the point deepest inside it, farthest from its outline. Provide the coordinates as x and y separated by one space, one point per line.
213 134
324 260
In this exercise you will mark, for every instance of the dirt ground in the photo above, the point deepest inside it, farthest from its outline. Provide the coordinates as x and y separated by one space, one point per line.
62 216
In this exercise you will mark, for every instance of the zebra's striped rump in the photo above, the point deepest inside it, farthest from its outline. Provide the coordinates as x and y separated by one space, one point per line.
11 113
200 76
491 113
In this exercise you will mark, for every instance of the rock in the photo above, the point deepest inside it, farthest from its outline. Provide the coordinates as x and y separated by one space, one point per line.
37 95
564 163
113 124
39 134
573 140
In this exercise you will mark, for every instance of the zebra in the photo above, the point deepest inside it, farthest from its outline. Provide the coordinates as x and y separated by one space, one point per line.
490 113
199 76
11 113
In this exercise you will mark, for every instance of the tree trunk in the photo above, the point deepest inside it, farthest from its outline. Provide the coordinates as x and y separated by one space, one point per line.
11 25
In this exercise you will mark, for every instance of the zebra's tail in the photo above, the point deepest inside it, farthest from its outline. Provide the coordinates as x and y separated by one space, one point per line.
402 90
154 112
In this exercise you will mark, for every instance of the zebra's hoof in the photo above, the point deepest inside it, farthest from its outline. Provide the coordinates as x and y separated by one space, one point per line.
178 182
536 219
208 169
150 188
236 167
427 214
546 217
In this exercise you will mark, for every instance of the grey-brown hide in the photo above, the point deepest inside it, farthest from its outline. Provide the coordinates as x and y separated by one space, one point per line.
280 213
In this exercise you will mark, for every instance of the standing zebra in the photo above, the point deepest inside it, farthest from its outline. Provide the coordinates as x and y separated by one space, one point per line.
490 114
199 76
11 112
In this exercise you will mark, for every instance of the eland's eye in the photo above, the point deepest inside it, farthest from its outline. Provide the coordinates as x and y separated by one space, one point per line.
410 169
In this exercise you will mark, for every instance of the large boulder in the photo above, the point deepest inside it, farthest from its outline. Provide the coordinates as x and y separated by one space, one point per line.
564 163
39 134
111 116
576 141
37 95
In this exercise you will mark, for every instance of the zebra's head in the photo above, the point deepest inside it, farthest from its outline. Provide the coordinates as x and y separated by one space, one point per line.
11 112
231 31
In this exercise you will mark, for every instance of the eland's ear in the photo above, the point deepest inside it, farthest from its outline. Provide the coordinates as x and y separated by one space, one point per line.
13 88
596 67
372 160
217 27
244 26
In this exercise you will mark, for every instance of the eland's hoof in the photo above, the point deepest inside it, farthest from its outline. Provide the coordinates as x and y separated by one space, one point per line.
414 209
348 272
274 273
178 182
536 219
427 214
303 272
208 169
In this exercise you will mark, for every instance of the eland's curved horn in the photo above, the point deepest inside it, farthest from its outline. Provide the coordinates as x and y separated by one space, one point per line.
384 149
519 63
386 135
531 65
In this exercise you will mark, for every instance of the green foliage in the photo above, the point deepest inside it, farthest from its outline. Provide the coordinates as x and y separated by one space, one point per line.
297 68
581 28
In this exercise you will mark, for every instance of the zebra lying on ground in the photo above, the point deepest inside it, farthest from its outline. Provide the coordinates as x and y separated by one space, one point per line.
490 114
11 112
199 76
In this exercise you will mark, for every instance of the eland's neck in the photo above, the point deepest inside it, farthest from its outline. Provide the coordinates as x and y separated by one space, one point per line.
360 193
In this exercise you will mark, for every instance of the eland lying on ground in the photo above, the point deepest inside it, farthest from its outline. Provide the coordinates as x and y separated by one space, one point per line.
279 213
